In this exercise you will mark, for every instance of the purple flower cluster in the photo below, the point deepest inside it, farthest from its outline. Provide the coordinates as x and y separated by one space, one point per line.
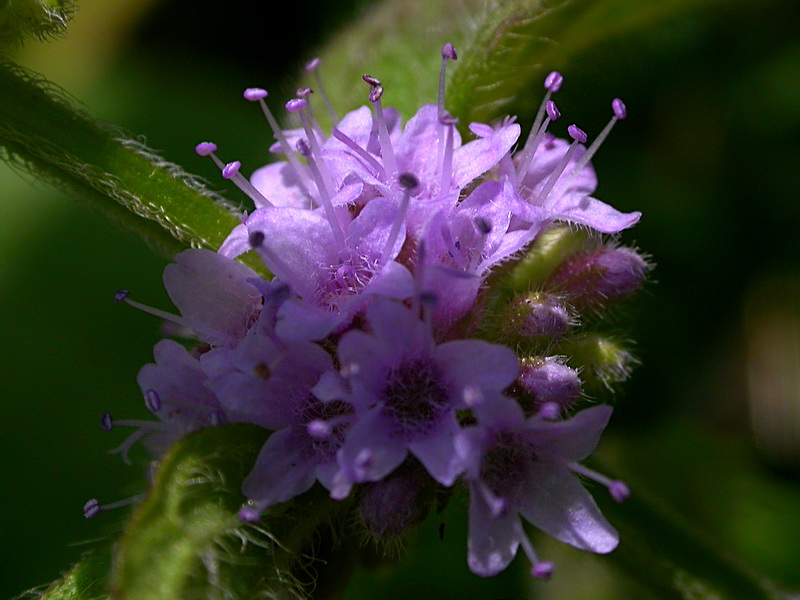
361 354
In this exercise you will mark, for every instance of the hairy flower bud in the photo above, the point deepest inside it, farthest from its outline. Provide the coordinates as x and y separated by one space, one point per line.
536 320
598 277
549 382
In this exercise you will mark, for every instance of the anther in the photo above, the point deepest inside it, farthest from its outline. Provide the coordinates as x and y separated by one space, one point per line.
619 108
205 148
91 509
152 400
312 65
408 180
106 422
319 429
543 569
448 53
304 92
552 83
255 94
250 513
619 491
577 134
231 171
296 104
255 239
121 295
371 80
552 111
375 94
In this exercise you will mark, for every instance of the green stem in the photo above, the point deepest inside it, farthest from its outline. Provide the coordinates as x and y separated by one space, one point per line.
40 131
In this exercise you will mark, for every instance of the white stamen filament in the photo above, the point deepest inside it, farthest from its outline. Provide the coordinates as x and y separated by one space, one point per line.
447 160
325 99
556 174
386 144
325 196
363 154
399 220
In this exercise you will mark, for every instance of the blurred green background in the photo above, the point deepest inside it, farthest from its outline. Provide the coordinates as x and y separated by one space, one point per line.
709 423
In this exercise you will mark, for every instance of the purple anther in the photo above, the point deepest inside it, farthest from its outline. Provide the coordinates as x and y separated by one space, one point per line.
448 119
303 147
408 180
319 429
255 239
550 411
249 515
231 170
375 94
296 104
121 295
255 94
449 52
483 225
152 400
312 65
619 108
552 82
205 148
304 92
619 491
91 508
552 111
543 569
472 396
577 134
371 80
106 422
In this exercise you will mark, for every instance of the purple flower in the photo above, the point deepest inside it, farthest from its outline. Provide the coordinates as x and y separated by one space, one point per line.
406 390
519 467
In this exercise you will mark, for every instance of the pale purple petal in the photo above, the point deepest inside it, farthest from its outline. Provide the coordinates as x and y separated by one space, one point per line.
593 213
437 452
279 183
475 158
371 452
393 281
478 364
300 320
237 242
573 439
281 471
213 294
493 541
558 504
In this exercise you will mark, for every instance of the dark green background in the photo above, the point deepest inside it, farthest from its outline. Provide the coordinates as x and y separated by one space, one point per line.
709 155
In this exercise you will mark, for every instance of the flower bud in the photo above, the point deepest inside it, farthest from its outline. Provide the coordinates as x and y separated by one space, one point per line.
36 18
536 320
604 361
549 381
398 501
598 277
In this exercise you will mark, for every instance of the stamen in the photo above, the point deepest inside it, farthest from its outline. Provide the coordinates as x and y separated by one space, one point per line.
472 396
578 137
409 183
250 512
447 161
256 241
258 95
299 106
231 171
122 296
325 194
620 113
540 569
366 156
448 53
528 153
618 489
152 400
92 508
552 84
312 67
305 93
387 152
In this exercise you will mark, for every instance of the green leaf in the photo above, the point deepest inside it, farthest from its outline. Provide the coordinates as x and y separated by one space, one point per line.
36 18
519 41
40 131
188 539
88 580
674 562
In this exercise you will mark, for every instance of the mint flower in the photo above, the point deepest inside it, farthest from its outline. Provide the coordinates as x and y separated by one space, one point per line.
359 355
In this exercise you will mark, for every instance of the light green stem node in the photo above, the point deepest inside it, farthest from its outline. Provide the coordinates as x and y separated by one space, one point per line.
36 18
